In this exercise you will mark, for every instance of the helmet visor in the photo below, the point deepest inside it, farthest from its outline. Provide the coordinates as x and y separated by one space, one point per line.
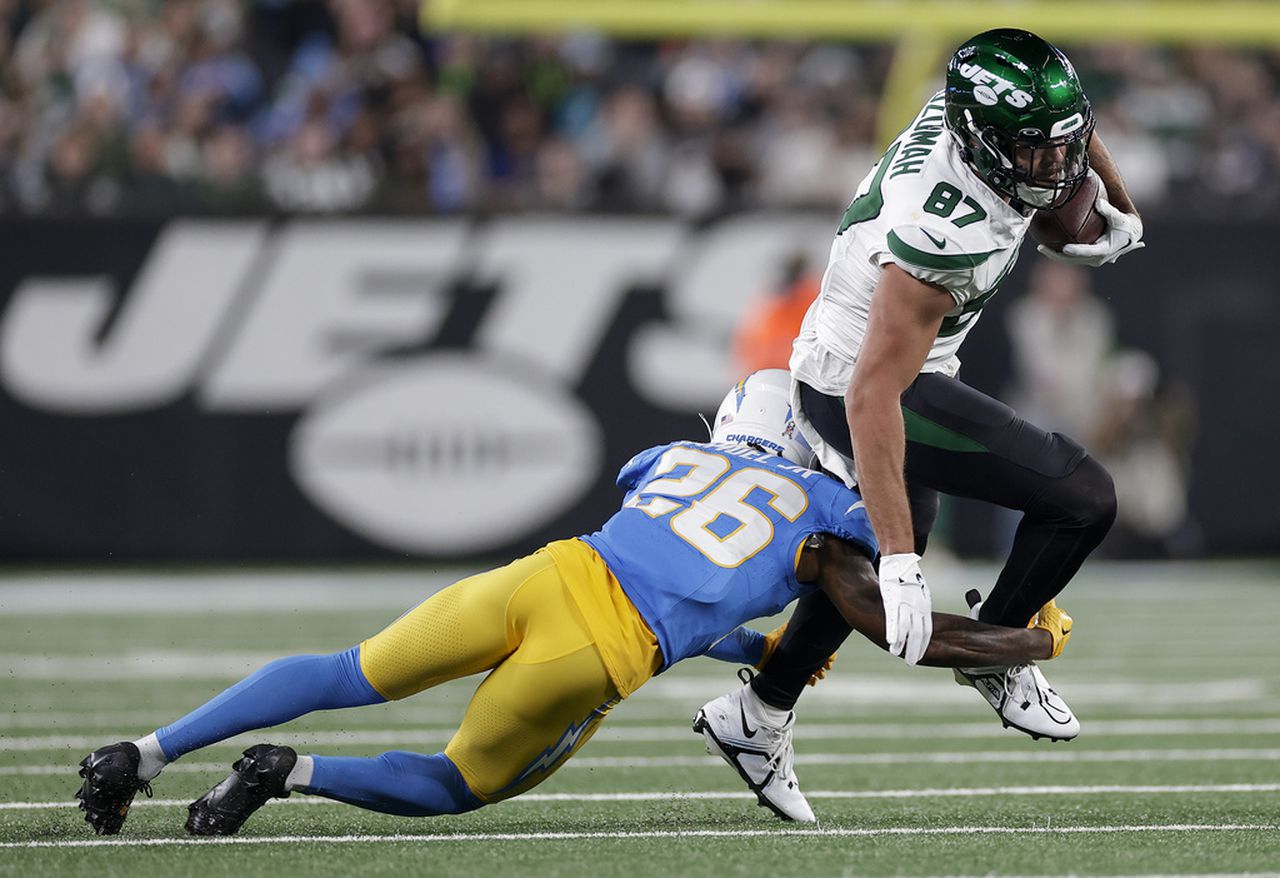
1046 173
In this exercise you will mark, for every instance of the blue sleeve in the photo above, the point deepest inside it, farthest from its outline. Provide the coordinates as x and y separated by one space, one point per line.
849 521
742 646
635 468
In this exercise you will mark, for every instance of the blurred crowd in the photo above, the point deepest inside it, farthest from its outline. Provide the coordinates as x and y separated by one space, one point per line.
119 107
1071 376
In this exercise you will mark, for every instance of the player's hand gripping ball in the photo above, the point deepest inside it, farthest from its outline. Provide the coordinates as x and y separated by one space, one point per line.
1077 221
1087 229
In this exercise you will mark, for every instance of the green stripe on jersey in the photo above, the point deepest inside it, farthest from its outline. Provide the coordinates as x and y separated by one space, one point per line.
868 206
939 261
926 432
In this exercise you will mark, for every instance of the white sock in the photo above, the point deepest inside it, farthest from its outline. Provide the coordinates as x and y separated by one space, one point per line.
152 759
774 716
301 774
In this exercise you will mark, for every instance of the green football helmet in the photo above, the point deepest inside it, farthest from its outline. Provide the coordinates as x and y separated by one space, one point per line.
1016 106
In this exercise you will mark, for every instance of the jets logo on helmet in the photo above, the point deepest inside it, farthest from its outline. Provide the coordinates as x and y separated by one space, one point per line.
988 87
757 411
1020 115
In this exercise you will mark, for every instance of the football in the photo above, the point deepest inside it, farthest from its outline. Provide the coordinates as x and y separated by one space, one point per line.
1076 222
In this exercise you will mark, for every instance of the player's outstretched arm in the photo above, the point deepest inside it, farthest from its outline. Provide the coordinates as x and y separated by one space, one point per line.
746 646
960 642
741 646
845 574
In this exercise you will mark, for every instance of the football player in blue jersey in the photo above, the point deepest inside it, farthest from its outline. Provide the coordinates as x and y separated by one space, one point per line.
709 536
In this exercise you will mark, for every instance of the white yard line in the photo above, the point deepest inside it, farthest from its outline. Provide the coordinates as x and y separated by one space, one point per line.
932 688
977 757
735 834
660 734
449 710
926 793
299 592
957 758
937 688
69 768
664 796
1179 584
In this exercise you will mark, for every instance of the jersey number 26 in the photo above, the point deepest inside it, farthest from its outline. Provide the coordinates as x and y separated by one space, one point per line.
723 521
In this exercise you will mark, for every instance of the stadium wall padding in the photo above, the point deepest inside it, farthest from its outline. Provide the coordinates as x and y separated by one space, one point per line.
236 391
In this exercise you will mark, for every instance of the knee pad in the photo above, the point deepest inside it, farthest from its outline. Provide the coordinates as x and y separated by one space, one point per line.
1085 498
1096 494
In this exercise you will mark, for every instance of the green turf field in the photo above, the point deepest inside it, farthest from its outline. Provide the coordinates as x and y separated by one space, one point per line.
1173 670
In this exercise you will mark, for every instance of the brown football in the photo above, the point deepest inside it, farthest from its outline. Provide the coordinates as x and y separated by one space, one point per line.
1075 222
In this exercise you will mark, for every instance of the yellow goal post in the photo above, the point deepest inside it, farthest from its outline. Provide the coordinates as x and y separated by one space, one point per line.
925 30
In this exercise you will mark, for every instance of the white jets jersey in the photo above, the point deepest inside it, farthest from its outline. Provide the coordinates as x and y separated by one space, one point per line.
923 209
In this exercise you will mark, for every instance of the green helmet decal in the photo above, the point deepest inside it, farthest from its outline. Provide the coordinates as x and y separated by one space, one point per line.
1021 117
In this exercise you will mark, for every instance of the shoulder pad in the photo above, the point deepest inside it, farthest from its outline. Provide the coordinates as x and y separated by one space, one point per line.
636 467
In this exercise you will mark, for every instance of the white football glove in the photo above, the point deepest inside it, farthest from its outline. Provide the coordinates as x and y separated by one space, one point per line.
1123 235
908 608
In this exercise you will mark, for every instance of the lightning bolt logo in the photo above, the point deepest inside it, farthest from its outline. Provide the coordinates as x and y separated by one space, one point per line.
550 758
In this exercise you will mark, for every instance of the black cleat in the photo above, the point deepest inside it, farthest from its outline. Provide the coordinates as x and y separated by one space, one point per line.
257 777
110 783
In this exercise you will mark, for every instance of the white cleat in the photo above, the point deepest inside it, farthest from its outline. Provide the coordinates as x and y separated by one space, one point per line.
1024 700
760 751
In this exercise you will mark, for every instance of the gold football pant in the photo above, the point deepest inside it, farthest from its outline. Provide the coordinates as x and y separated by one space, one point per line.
548 687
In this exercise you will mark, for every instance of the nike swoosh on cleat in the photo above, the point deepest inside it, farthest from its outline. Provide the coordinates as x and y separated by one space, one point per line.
941 244
746 729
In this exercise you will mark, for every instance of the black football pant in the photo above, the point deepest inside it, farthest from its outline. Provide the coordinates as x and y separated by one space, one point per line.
964 443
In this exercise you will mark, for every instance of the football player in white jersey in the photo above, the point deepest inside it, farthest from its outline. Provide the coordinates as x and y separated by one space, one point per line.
932 231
